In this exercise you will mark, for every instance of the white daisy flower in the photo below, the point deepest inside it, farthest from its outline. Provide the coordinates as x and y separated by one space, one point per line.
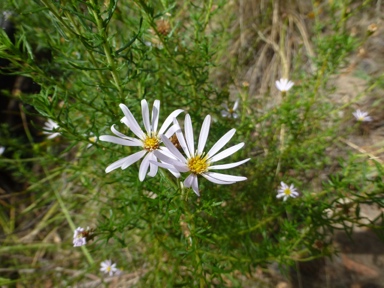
149 141
79 237
49 128
230 112
198 162
362 116
109 268
286 191
284 84
2 149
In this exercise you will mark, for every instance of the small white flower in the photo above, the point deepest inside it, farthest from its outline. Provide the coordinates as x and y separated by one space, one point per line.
2 149
230 112
149 142
79 237
362 116
109 268
284 84
286 191
197 161
49 128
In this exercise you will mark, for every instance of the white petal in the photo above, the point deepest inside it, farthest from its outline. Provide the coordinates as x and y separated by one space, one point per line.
228 166
278 85
175 173
236 105
132 159
118 133
221 143
132 123
121 135
172 130
125 121
280 195
169 120
144 167
145 113
50 125
180 137
181 167
173 149
224 113
235 115
189 134
155 115
216 181
188 181
204 134
226 152
117 140
226 177
163 165
195 185
164 150
53 135
152 168
170 167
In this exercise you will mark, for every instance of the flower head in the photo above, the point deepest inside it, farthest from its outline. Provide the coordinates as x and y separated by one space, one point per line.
362 116
149 141
109 268
230 112
79 237
49 128
286 191
284 84
197 162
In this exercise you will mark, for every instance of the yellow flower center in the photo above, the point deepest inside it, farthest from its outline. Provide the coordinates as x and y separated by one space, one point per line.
198 164
92 139
287 191
108 269
151 143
